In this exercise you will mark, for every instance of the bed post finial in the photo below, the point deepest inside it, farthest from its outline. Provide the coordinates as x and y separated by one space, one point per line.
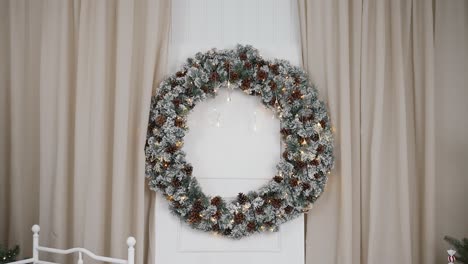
131 241
35 229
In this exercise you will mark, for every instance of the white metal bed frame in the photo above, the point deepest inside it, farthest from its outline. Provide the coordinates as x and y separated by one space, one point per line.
36 248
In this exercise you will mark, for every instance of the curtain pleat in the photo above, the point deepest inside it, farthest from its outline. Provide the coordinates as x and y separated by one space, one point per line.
77 95
374 62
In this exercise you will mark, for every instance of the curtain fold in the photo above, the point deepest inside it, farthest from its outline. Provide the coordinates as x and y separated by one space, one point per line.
374 60
78 93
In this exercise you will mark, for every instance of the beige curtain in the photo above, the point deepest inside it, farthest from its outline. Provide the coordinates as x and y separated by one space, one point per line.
374 64
451 45
76 79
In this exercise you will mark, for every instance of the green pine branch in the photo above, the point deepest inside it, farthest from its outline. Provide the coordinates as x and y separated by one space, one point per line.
8 255
461 246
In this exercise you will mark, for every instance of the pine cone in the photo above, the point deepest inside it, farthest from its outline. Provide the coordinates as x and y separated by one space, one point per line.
310 117
227 66
205 89
305 186
173 83
194 217
278 179
261 63
214 76
215 228
197 206
172 149
242 198
274 69
293 182
285 155
315 137
273 85
276 203
180 74
296 94
285 132
323 123
217 215
317 176
160 120
179 122
297 81
248 65
239 218
216 201
315 162
245 84
300 164
259 210
288 209
262 75
227 232
176 102
243 56
188 169
176 183
189 91
320 148
234 76
176 204
251 226
272 101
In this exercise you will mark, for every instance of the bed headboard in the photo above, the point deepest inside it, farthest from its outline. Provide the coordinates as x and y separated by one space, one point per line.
37 248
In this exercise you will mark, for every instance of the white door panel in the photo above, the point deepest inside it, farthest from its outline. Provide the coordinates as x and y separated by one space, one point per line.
234 146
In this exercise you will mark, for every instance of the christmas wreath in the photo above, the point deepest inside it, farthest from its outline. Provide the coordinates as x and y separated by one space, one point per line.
305 129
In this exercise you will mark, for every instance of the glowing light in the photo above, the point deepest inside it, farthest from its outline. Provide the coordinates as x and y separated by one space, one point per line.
262 228
304 142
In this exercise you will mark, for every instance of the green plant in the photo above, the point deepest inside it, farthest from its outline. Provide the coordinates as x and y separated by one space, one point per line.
8 255
461 246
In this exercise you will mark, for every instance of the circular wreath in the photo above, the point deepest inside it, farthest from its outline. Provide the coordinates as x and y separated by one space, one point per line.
305 129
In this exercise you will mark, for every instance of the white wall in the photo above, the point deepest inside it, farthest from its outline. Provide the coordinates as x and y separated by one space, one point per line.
452 122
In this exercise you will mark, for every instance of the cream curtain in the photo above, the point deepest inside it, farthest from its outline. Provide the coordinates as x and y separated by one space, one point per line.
76 79
374 62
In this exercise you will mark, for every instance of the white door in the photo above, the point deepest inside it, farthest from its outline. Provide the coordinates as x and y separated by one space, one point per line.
234 146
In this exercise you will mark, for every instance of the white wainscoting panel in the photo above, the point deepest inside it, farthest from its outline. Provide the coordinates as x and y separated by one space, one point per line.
234 146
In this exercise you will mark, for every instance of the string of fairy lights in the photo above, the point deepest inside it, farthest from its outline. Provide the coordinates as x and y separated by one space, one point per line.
307 155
